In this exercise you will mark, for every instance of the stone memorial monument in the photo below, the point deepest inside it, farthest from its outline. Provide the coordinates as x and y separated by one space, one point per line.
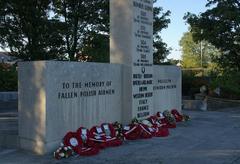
57 97
131 42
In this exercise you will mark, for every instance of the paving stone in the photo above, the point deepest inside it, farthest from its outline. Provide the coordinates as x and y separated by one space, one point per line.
210 137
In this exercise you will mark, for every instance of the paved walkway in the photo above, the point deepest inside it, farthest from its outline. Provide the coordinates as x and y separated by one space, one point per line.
209 138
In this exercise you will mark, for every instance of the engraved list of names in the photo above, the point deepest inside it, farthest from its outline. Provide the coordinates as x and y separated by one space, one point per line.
142 71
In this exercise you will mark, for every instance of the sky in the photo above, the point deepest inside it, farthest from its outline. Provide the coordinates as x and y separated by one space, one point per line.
177 27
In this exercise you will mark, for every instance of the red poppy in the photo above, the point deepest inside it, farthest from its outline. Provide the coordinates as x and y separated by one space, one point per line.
131 132
98 137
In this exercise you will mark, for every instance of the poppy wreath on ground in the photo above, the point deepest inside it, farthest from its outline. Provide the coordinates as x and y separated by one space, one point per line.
160 129
162 132
111 139
119 130
84 135
178 117
158 121
86 146
98 137
162 120
145 131
72 139
152 129
131 132
169 119
63 152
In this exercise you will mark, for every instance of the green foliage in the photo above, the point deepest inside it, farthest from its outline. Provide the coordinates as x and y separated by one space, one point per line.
187 81
191 83
60 29
97 47
191 50
229 84
161 21
8 78
220 26
83 21
27 30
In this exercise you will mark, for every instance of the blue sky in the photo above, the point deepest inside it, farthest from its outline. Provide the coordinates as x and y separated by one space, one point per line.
177 27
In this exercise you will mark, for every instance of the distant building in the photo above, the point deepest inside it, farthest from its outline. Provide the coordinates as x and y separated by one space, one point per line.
5 57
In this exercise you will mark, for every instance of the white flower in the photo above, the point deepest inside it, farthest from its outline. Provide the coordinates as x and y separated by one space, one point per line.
61 154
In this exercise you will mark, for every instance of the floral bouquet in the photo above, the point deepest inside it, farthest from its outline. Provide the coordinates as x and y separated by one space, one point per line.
170 118
119 130
186 117
135 121
63 152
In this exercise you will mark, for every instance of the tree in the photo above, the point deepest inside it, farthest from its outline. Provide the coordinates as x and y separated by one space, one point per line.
55 29
161 21
190 51
193 56
25 28
83 20
96 47
220 26
91 36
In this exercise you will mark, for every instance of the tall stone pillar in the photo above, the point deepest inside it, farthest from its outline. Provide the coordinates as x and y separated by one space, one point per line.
131 44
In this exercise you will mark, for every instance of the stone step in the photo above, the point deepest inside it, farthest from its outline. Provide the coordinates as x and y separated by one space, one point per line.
9 141
9 130
8 125
8 114
193 104
7 151
8 104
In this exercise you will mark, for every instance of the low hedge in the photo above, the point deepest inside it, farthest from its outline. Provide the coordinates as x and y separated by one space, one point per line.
8 77
229 84
191 83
